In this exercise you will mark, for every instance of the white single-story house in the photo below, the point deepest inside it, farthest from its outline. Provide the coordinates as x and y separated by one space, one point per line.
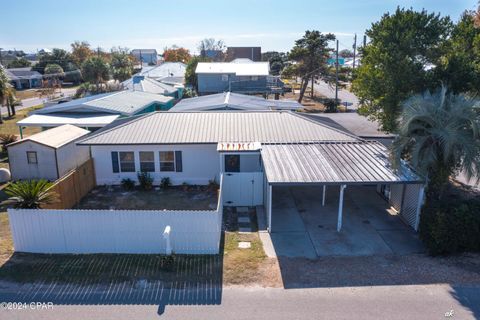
47 155
256 153
97 111
233 101
144 84
145 56
167 72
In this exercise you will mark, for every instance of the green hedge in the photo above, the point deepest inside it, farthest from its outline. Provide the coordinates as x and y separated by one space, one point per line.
451 227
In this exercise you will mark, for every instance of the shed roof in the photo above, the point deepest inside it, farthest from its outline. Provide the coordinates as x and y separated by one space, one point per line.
218 126
240 68
55 137
77 119
235 101
122 102
352 162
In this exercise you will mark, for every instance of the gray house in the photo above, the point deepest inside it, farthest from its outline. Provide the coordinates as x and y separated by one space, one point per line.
240 75
146 56
24 78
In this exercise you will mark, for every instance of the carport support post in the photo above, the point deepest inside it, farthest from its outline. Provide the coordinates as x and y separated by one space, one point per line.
340 207
269 208
323 196
421 193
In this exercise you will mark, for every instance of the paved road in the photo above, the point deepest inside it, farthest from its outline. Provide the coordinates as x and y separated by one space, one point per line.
344 95
380 302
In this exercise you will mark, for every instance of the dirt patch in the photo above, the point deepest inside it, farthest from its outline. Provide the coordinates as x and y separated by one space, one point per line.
9 124
6 242
174 198
379 270
248 266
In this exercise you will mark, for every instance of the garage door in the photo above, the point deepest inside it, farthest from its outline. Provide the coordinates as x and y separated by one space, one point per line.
242 188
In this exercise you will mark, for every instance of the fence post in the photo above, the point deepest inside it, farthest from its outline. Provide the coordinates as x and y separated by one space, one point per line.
166 236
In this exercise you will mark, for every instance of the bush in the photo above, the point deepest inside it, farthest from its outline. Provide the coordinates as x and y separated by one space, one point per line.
165 183
145 180
6 139
330 105
128 184
451 227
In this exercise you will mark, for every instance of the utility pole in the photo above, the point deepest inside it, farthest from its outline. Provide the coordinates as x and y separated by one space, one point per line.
336 78
364 40
354 50
1 61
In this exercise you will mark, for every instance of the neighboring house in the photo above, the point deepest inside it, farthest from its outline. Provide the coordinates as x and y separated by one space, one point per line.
252 53
167 72
97 111
240 75
233 101
47 155
145 84
256 152
24 78
145 56
215 55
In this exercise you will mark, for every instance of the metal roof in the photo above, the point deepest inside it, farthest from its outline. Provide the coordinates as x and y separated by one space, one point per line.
22 73
122 102
57 119
55 137
356 162
166 69
218 126
235 101
143 84
240 68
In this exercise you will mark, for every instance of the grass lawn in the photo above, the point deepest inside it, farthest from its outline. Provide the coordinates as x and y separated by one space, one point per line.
27 94
9 124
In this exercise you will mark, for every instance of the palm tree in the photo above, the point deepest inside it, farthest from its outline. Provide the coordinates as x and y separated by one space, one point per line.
30 194
4 89
440 136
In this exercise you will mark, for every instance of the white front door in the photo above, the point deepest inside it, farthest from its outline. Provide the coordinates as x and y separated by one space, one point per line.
242 188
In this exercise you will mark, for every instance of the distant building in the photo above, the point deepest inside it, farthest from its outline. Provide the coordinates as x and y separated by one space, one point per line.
146 56
167 72
215 55
240 75
24 78
149 85
252 53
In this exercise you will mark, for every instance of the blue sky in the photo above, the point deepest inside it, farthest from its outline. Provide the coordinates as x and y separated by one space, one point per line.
273 25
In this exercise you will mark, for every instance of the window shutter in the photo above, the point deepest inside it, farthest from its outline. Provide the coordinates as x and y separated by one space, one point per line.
115 161
178 161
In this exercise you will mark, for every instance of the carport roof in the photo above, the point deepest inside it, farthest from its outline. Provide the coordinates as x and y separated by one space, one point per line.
357 162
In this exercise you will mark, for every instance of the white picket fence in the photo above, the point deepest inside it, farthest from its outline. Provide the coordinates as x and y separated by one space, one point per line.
116 231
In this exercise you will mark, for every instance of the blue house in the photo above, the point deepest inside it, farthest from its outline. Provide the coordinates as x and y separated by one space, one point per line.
240 75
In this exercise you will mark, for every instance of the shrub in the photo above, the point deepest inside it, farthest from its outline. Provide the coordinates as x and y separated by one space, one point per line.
168 262
213 185
5 139
165 183
330 105
185 186
451 227
128 184
145 180
31 194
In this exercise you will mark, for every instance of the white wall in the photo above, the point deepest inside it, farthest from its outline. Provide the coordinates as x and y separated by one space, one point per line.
114 231
250 163
200 162
21 169
71 156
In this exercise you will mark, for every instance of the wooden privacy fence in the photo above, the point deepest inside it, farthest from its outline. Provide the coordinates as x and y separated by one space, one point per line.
116 231
73 186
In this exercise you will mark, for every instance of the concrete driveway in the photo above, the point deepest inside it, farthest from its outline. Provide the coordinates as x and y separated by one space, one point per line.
302 227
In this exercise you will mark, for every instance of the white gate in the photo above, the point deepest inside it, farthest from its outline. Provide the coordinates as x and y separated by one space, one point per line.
242 188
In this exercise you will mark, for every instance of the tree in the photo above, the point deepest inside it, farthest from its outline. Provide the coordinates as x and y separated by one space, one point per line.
30 194
277 61
19 63
397 62
176 54
121 64
96 70
80 52
211 48
440 136
190 76
53 73
57 56
346 53
311 53
4 89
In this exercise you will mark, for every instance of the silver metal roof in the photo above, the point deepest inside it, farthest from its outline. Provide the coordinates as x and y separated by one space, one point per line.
121 102
143 84
331 163
233 101
218 126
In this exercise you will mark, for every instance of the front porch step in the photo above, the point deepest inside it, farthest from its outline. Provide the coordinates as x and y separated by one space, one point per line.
244 219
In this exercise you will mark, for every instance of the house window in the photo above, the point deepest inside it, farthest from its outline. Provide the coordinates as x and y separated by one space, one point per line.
147 163
32 157
254 78
232 163
171 161
127 161
224 77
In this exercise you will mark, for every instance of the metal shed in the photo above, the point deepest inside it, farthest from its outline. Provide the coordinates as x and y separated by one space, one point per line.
342 164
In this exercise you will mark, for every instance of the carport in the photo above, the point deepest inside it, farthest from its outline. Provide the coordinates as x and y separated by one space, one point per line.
342 165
